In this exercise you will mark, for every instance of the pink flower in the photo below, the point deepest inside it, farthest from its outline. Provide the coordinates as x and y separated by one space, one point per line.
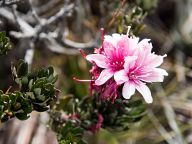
125 62
138 69
111 56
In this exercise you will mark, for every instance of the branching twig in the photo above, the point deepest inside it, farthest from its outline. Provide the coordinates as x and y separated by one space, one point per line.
54 46
116 14
34 13
8 2
57 17
37 32
170 114
160 128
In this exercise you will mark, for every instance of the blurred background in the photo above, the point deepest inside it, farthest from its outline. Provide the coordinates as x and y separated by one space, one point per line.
50 32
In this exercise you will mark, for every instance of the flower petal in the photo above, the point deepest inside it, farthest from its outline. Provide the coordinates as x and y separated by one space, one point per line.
129 62
112 39
108 38
144 90
108 48
154 60
133 41
145 44
156 75
99 59
128 90
105 75
141 57
123 46
121 77
116 37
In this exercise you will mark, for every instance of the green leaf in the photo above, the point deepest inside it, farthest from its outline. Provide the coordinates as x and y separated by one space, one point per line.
5 44
30 95
71 134
4 118
40 108
41 98
22 116
30 84
18 81
39 83
37 91
22 69
134 103
50 70
24 80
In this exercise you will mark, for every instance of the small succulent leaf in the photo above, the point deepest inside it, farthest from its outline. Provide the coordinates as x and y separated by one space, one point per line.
5 44
22 69
22 116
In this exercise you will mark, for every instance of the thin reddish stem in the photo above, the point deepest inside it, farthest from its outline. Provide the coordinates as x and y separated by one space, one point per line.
91 88
116 95
117 13
82 53
102 39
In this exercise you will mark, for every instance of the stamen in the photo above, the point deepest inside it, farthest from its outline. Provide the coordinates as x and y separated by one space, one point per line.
128 30
102 34
102 38
164 55
82 53
79 80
